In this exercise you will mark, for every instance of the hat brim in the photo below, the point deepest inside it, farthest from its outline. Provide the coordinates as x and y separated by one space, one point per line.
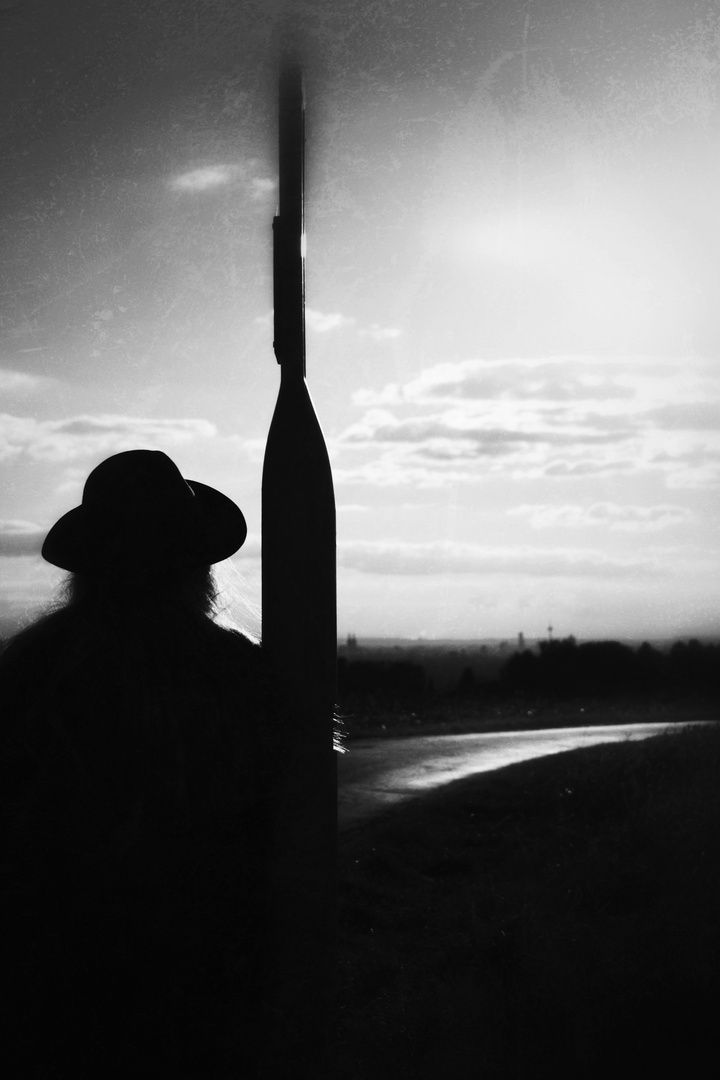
216 530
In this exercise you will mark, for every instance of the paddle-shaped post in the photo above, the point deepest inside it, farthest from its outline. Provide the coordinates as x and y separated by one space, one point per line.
299 636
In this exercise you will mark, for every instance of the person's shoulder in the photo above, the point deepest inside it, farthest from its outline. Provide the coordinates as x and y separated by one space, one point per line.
236 640
234 650
33 642
30 664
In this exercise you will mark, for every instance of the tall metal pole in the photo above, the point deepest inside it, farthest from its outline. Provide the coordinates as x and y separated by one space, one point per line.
299 637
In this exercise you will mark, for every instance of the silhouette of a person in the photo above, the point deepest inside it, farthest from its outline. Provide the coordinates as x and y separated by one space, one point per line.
134 766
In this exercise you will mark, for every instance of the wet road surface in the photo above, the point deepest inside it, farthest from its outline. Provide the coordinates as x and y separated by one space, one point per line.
378 773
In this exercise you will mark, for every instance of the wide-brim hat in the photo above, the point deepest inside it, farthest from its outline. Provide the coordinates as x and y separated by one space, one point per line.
139 515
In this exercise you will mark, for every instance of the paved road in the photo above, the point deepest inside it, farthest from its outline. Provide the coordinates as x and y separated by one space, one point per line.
377 773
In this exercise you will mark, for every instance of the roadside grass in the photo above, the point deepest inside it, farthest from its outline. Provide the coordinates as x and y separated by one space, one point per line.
559 917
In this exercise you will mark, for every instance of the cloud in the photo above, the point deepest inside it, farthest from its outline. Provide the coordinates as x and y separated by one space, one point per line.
696 467
209 176
262 185
555 418
220 175
322 323
22 382
604 514
700 415
556 379
454 446
625 383
382 333
391 470
19 538
86 436
449 557
569 469
438 466
472 432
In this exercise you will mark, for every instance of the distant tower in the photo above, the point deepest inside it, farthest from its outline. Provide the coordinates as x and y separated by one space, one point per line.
521 641
550 630
351 641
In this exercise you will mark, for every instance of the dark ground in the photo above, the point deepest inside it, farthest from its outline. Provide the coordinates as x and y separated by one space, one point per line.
557 918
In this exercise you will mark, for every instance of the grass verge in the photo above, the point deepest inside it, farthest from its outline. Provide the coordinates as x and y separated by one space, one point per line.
559 917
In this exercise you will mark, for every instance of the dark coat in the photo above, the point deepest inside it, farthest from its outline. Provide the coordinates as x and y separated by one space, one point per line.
135 773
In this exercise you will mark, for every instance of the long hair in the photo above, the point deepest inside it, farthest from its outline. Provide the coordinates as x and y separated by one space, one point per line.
193 591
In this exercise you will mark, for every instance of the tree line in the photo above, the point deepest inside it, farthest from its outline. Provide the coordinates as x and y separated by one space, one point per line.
609 668
557 668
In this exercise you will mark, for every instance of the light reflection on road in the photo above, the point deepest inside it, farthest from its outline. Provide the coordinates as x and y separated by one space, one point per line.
378 773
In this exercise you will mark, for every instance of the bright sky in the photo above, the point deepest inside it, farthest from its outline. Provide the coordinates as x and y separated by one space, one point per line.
513 327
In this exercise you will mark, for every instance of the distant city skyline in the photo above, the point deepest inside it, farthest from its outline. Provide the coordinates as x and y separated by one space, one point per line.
512 323
498 644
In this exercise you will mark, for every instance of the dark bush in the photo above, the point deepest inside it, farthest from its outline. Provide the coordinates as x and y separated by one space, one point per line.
608 668
393 680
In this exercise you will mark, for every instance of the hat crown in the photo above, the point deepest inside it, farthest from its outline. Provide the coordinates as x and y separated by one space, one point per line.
139 482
